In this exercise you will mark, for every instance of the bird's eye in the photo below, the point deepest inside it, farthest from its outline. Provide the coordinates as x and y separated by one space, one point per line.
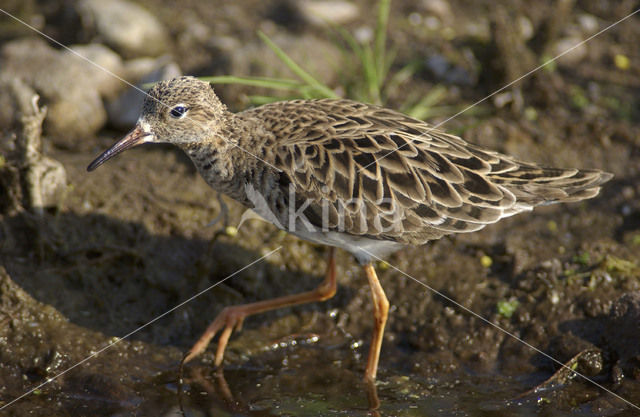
178 111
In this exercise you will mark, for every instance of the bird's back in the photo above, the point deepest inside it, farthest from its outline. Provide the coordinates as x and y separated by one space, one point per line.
374 172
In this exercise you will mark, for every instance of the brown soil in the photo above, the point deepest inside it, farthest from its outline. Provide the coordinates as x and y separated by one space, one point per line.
129 242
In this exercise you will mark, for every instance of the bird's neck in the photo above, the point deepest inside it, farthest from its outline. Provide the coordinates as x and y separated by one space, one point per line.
231 158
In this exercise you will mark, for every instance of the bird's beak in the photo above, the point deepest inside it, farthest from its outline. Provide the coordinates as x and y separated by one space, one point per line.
134 138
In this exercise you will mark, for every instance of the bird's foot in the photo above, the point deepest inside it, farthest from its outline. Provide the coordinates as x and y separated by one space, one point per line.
229 319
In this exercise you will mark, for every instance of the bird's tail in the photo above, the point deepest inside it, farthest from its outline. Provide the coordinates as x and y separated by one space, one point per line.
533 185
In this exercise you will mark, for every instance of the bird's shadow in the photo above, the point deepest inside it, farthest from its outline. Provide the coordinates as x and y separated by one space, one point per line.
113 276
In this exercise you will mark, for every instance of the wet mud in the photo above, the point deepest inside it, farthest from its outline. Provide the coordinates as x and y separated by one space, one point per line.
130 241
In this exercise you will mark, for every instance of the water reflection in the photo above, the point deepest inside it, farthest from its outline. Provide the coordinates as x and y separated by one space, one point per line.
209 391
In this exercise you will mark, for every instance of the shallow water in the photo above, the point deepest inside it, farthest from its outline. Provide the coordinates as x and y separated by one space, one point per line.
129 241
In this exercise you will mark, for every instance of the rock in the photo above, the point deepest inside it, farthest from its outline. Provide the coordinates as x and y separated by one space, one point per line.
319 57
328 12
80 115
126 27
438 8
588 23
124 110
623 332
11 196
28 178
364 34
443 70
105 83
525 26
45 179
137 69
570 58
67 87
13 93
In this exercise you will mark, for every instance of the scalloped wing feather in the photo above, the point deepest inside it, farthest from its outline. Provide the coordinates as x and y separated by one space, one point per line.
391 177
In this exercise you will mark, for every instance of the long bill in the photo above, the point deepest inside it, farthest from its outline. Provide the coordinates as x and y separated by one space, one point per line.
134 138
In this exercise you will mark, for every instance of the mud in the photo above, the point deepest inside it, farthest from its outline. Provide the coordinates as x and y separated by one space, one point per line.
129 242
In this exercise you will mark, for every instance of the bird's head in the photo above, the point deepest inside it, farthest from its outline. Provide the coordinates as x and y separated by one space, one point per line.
181 111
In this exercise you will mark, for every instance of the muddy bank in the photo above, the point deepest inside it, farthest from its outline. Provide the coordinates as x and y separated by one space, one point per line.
124 244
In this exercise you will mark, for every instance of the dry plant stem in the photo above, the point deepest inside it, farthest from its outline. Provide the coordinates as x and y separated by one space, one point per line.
32 119
232 317
380 312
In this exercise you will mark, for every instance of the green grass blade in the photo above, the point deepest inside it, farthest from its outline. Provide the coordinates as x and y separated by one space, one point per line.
351 42
403 75
296 69
381 38
257 100
371 74
356 49
390 59
273 83
424 108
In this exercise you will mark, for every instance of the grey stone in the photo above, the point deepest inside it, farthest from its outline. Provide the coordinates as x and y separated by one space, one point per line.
123 111
65 83
13 93
319 57
126 27
28 178
623 331
107 68
576 55
439 8
328 12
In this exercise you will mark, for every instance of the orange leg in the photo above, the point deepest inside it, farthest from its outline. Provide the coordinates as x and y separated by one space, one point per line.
380 312
232 317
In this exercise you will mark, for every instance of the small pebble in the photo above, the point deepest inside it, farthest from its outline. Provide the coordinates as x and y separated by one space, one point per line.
328 12
622 61
126 27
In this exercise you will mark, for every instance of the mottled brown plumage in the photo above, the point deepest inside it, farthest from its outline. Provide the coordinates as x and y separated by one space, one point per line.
364 178
423 181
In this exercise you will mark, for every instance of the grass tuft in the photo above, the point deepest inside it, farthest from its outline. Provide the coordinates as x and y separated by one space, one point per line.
369 79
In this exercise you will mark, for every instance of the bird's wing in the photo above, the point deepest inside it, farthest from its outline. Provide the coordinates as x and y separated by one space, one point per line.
383 174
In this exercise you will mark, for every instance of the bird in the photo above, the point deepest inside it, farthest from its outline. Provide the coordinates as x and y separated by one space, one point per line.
341 173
